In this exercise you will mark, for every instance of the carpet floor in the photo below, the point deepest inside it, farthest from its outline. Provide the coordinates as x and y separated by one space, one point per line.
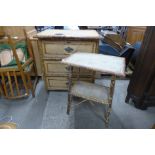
84 116
48 111
27 112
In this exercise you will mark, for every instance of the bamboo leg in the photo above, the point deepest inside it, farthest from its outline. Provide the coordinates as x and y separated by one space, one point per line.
107 115
69 103
4 85
16 82
10 84
69 90
93 76
78 76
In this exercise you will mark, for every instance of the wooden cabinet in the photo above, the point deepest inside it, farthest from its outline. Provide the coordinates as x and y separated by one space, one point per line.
54 45
135 33
141 88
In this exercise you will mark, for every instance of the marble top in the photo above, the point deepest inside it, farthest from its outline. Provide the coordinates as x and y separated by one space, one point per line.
90 34
97 62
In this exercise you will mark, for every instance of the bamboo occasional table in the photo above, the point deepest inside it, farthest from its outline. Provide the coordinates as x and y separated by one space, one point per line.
91 91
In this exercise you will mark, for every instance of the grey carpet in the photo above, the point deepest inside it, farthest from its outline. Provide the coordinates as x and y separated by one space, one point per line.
26 112
84 116
49 111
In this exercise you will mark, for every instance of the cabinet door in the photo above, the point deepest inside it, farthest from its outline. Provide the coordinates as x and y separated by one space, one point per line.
135 33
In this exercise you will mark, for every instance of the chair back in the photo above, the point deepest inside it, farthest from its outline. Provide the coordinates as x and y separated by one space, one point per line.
15 80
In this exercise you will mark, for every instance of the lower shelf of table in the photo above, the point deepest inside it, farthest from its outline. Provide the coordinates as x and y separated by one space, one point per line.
91 91
61 83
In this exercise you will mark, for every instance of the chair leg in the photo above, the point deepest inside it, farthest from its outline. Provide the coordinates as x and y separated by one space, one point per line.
1 91
69 103
30 85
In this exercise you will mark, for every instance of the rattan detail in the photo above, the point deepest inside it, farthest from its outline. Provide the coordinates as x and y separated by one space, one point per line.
91 91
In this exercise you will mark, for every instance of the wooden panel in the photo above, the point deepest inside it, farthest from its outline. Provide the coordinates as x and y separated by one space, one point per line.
135 33
2 33
54 49
17 30
61 83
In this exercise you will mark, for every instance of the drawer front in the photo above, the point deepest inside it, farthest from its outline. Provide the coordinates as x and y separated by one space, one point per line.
58 68
55 67
56 83
61 48
61 83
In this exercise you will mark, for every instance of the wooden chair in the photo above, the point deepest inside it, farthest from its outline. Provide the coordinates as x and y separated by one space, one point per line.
113 39
16 80
1 89
90 91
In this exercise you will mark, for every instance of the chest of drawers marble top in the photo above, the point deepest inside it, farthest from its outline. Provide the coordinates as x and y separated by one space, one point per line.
54 45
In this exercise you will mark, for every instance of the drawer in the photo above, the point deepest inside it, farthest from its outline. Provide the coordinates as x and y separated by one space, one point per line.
61 83
58 68
55 67
61 48
57 83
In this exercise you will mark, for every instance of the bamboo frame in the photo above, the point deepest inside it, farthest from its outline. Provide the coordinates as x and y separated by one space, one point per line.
108 100
12 74
69 89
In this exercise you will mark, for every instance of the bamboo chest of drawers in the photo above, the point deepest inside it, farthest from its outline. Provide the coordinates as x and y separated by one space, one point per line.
54 45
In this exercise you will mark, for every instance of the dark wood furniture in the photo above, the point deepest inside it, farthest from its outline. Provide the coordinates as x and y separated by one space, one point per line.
135 33
141 88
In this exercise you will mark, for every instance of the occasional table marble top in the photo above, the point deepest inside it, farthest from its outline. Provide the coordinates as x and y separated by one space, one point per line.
97 62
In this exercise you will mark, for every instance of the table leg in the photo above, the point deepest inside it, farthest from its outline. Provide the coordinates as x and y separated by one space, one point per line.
69 89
